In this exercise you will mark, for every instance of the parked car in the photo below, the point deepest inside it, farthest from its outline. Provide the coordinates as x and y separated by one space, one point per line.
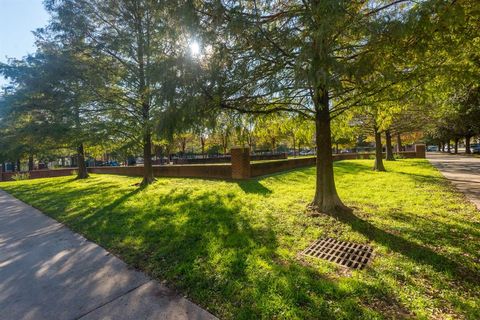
475 148
111 164
432 148
307 152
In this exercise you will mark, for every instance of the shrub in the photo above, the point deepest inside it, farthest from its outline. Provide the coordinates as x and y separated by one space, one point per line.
21 176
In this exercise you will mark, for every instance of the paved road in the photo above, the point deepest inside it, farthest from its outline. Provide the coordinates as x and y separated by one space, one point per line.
49 272
462 171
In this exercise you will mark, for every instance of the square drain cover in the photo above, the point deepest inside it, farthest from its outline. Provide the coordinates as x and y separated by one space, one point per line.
347 254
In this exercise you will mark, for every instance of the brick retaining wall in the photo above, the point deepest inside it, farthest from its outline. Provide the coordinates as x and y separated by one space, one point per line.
214 171
228 159
240 168
37 174
264 168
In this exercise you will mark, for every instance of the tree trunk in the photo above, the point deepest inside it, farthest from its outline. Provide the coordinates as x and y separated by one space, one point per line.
378 165
442 149
467 145
147 160
202 143
389 148
456 146
326 198
294 146
143 58
399 142
82 166
30 163
225 143
19 165
184 145
250 142
448 146
439 146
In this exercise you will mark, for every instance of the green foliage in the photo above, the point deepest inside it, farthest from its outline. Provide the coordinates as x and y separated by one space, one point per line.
21 176
233 246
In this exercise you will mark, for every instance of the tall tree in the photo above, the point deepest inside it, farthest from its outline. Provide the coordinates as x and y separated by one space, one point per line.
50 99
146 49
309 57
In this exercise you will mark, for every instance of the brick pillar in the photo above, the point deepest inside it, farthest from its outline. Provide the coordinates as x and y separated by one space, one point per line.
420 151
240 163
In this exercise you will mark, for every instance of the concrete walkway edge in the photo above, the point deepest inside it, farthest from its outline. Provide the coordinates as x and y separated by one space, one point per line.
49 272
462 171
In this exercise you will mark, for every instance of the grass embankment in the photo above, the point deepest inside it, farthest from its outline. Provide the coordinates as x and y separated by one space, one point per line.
232 246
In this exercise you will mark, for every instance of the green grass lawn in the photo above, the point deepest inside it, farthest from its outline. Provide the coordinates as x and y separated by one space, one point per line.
232 247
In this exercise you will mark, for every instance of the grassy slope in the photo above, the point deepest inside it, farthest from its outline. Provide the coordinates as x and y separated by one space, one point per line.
232 246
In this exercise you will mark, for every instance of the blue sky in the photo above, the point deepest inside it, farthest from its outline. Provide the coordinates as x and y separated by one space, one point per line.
17 20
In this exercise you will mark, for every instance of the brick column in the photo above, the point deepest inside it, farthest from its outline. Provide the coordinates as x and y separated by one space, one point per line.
240 163
420 151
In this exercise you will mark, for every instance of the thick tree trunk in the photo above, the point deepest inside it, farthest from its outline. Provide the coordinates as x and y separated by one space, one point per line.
456 146
399 142
439 146
467 145
378 165
388 145
147 160
82 166
326 197
19 165
448 146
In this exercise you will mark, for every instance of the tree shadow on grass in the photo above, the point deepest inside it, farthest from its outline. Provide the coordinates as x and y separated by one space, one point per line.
254 186
414 251
351 167
122 199
205 246
24 187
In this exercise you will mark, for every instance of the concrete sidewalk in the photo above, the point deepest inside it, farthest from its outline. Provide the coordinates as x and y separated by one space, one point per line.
50 272
462 171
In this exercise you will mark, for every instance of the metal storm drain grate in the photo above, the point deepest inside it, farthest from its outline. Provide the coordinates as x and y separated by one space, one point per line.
347 254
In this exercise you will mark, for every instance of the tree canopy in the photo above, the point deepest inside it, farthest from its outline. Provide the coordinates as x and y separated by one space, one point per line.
152 76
